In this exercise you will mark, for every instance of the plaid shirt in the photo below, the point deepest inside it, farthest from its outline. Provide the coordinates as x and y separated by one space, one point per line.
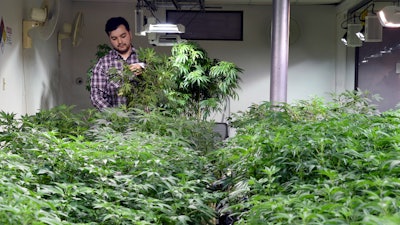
104 91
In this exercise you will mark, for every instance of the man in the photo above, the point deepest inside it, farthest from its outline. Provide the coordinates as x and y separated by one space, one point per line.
104 91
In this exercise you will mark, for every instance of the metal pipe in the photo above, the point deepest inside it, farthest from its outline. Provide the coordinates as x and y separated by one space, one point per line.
279 51
176 4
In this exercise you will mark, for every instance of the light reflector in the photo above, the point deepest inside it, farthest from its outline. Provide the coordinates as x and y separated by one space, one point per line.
389 16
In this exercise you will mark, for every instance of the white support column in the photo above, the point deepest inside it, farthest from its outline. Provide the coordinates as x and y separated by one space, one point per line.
279 51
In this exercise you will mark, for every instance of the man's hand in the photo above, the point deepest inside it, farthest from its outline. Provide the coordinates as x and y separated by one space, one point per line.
136 68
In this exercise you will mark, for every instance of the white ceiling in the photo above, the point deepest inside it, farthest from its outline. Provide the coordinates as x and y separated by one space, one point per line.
245 2
267 2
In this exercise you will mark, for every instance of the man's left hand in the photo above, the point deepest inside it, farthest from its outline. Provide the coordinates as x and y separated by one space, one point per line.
136 68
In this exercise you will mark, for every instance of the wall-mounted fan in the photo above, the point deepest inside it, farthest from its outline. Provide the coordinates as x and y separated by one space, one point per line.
294 31
42 22
73 31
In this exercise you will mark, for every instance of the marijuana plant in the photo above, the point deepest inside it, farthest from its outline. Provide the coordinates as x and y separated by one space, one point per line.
187 82
146 91
201 84
313 162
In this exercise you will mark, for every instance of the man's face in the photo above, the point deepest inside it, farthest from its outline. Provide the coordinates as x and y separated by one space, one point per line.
120 39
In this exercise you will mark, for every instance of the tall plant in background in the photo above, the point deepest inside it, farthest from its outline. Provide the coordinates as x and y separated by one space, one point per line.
201 84
186 83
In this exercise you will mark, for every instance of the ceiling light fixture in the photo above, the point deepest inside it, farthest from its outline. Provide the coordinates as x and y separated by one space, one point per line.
389 16
158 39
153 27
164 28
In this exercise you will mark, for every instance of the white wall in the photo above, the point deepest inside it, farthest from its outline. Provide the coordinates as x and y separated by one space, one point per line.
311 58
40 78
12 95
29 77
43 65
312 61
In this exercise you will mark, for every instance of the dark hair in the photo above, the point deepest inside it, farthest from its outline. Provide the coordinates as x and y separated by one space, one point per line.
114 22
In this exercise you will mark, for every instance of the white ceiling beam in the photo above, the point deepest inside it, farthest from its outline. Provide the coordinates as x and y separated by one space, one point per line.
269 2
234 2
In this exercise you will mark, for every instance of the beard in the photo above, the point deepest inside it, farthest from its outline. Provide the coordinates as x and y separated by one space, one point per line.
122 48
